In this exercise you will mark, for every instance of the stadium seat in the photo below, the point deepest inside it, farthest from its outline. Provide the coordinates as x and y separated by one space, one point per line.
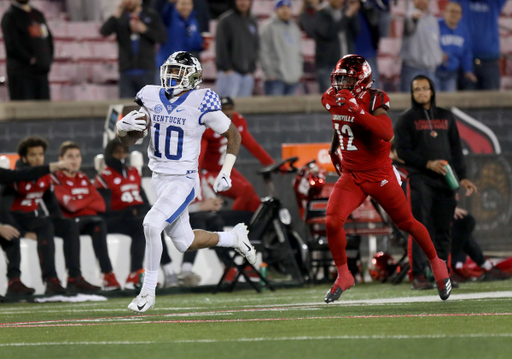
262 8
390 46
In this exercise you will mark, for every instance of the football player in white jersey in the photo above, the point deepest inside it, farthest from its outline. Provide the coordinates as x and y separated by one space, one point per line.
179 113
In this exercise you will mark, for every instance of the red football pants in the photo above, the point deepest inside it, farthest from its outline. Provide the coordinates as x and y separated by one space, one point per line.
347 195
241 191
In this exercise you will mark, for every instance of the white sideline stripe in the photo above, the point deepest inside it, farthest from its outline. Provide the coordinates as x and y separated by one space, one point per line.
379 301
465 117
302 338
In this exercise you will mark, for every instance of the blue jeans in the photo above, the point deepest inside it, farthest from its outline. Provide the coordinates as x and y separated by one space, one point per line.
234 85
280 88
446 81
409 73
488 74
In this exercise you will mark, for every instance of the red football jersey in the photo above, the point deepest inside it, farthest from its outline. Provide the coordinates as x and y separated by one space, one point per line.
214 146
125 190
76 195
361 150
29 194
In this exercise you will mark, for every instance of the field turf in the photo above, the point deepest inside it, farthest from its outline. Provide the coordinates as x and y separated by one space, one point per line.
369 321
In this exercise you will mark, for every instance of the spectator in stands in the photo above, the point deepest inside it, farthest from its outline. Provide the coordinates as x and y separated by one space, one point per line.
307 16
426 137
29 51
138 29
281 52
120 185
456 45
213 152
481 18
182 31
336 28
237 51
80 200
10 236
84 10
367 42
421 52
201 10
464 245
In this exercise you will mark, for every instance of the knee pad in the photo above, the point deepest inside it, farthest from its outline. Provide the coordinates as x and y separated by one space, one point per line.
406 225
155 218
182 239
333 223
152 233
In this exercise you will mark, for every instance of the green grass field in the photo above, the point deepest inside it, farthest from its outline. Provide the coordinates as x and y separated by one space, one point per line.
369 321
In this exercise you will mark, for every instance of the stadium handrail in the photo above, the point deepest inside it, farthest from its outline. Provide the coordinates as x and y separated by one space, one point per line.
43 110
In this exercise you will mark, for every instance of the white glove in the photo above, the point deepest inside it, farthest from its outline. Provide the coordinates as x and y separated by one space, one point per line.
222 182
131 122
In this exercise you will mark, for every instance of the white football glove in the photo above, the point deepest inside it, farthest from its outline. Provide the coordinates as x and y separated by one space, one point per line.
131 122
222 182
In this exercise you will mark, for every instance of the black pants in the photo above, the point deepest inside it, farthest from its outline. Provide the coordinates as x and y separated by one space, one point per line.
463 242
96 228
34 87
434 208
43 228
130 226
12 252
68 230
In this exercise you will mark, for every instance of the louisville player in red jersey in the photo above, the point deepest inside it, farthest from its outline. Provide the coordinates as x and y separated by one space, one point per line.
363 131
213 152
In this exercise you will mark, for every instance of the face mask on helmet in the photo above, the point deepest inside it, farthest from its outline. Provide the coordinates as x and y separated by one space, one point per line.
177 77
340 82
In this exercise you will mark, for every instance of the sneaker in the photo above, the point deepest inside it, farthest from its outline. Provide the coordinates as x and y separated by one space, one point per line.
345 279
17 288
495 274
142 302
170 281
421 283
333 294
110 282
444 287
244 247
80 285
133 281
188 279
53 287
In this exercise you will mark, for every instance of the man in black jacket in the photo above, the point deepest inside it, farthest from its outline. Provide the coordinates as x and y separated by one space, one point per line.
426 138
29 50
138 29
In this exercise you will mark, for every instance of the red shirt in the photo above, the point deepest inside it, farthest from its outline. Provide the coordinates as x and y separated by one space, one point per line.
76 195
29 194
214 146
125 190
361 149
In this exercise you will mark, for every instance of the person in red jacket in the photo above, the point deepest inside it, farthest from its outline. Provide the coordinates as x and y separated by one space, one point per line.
79 199
363 131
213 152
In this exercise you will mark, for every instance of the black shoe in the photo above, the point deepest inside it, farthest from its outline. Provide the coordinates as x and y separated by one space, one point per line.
333 294
444 288
53 287
16 288
495 274
421 283
80 285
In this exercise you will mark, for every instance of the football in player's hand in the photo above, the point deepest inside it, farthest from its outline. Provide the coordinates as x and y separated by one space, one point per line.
141 134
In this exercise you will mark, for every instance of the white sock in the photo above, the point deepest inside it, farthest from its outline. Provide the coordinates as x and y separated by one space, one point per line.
186 267
150 282
227 239
459 265
487 265
168 269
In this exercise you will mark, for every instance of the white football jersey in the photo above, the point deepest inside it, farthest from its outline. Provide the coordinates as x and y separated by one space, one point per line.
177 127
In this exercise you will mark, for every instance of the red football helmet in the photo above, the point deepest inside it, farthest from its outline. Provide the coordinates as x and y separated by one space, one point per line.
382 267
353 73
309 181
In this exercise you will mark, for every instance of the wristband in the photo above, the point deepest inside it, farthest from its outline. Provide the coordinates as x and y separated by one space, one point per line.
229 162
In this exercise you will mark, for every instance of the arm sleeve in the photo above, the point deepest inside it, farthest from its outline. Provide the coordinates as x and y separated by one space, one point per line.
109 27
25 174
459 164
13 45
404 146
268 55
68 202
216 120
409 23
222 44
379 125
97 203
467 55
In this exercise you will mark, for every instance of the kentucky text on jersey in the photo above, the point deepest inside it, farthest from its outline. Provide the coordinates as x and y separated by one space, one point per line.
169 119
343 118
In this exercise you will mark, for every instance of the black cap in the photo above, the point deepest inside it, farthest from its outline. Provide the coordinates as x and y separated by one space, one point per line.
227 101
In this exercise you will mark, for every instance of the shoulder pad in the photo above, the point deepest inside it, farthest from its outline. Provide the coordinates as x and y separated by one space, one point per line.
210 102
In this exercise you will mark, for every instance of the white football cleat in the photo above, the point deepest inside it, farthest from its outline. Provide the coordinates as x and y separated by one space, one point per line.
244 247
142 302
